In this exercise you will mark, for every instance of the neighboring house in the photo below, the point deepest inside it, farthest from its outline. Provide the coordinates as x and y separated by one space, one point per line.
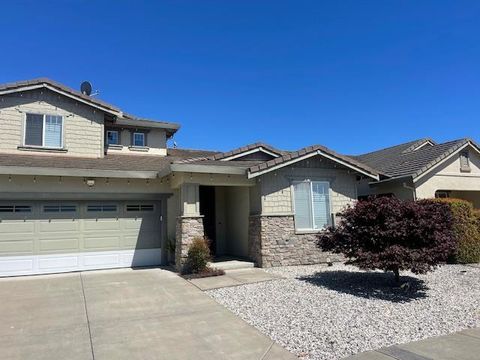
84 185
424 169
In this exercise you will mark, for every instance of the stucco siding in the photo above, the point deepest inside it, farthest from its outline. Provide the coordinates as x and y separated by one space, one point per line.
276 186
83 125
448 176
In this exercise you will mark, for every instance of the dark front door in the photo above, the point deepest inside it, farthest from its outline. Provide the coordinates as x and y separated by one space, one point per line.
207 209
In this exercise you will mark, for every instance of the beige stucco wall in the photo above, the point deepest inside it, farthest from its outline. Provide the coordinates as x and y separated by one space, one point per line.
447 176
83 125
276 190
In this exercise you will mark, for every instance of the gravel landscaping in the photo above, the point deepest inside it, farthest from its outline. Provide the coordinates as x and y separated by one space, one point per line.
321 312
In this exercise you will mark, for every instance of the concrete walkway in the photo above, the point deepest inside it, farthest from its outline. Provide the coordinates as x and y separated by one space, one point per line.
122 314
464 345
234 278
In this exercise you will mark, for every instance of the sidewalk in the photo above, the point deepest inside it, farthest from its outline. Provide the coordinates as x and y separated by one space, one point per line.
464 345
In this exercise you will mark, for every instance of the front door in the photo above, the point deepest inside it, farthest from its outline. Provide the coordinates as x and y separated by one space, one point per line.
207 209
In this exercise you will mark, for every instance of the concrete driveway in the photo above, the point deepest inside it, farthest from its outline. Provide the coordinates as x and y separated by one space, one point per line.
122 314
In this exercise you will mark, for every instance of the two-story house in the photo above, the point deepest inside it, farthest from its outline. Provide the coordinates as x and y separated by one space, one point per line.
83 185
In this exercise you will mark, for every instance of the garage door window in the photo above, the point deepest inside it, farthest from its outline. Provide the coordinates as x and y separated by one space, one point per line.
60 208
102 208
15 208
146 207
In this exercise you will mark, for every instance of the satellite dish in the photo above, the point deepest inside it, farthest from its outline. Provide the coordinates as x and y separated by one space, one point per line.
86 88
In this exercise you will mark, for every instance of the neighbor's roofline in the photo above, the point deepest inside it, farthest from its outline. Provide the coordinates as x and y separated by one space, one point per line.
444 157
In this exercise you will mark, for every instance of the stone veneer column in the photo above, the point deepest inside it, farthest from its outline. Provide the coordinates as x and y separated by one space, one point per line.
187 229
274 242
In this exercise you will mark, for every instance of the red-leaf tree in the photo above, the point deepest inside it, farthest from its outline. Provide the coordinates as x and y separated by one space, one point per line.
392 235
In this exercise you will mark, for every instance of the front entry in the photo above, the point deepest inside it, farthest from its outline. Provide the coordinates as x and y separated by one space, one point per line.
207 210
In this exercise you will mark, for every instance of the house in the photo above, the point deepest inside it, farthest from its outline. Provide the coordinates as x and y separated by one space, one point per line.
84 185
423 169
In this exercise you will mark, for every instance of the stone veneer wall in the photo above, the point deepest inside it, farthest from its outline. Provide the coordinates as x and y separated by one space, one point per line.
187 228
273 242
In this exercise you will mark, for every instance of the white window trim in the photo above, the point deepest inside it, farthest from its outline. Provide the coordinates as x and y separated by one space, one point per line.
118 137
143 137
43 131
311 181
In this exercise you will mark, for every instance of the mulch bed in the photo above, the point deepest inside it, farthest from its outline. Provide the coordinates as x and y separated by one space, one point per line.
204 274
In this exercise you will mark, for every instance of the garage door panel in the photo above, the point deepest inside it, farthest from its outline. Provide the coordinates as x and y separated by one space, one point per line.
12 247
140 223
58 225
16 227
104 242
142 240
101 224
61 244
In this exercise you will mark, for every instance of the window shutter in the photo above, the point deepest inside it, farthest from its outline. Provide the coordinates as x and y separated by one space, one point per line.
34 130
303 205
53 131
321 204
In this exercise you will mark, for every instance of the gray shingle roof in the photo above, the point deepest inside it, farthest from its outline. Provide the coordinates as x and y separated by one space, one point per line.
247 148
308 150
402 160
109 162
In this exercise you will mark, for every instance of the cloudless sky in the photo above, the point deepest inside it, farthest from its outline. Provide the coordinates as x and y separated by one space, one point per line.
351 75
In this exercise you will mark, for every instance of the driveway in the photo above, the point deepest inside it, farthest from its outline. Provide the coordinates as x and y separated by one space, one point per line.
122 314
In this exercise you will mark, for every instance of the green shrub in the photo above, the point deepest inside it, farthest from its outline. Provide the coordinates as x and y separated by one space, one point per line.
198 256
466 227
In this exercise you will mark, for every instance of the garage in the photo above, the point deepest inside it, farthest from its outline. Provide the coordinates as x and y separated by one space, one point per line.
39 237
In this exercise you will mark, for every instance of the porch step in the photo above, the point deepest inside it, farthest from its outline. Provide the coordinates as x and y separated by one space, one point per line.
232 265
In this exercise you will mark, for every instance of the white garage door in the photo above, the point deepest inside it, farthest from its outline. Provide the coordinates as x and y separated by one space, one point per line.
60 236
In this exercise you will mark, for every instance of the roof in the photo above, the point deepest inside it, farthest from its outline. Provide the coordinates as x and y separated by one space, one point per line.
45 82
306 152
246 148
135 166
403 160
121 117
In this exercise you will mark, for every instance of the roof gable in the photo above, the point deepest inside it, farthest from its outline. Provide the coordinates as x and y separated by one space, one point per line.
247 150
61 89
305 153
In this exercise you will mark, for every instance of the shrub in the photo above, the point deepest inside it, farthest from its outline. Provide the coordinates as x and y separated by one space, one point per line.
198 256
466 228
392 235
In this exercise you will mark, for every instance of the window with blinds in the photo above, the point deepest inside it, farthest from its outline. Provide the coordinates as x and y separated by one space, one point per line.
312 204
43 131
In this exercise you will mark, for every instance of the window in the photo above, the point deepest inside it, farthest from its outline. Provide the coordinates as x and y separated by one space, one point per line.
138 139
112 137
442 194
43 131
59 208
15 208
464 162
312 204
102 208
148 207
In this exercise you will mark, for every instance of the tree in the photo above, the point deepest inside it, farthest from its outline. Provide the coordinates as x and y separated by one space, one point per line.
392 235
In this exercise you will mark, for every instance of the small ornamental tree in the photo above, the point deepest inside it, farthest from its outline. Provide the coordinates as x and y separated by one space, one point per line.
392 235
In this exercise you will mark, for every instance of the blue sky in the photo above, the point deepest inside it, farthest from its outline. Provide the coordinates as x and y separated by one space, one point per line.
351 75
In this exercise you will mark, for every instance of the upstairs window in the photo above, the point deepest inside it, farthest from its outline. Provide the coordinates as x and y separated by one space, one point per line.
138 139
312 205
112 137
43 131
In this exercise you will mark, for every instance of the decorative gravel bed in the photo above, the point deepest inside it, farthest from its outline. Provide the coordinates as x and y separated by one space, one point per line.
321 312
